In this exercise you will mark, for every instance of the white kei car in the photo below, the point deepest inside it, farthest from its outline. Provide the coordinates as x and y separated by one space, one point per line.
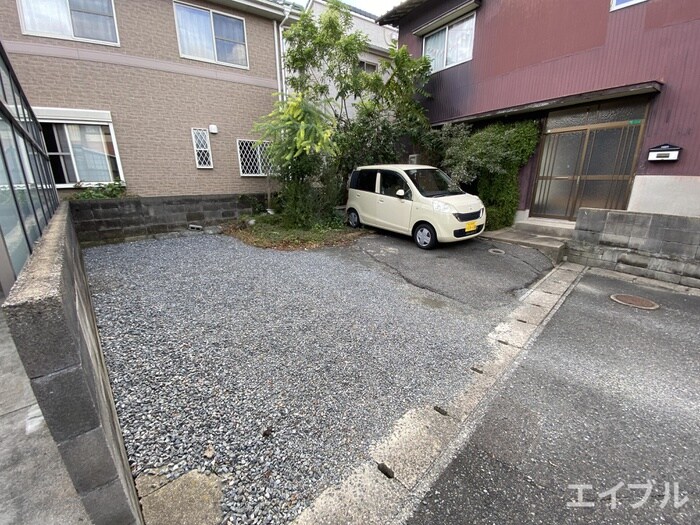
421 201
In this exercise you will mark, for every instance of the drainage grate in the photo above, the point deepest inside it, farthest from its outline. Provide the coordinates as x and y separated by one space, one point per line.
635 301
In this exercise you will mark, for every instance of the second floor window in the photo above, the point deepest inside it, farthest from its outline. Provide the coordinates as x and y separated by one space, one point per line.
368 67
91 20
618 4
450 45
211 36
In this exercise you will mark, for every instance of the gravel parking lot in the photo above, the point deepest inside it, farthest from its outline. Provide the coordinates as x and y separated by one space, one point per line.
277 370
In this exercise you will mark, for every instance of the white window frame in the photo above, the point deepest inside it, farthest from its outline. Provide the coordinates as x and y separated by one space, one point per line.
25 31
257 149
446 28
85 117
211 21
208 149
615 7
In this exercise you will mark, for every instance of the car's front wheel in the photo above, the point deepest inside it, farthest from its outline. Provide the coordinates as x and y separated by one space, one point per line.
353 219
424 236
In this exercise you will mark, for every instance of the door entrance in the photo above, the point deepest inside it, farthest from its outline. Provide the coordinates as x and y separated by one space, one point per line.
588 158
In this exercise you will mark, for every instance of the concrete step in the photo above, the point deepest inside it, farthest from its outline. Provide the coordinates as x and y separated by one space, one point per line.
547 227
552 247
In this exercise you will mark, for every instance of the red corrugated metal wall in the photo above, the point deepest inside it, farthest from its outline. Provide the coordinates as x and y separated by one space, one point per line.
534 50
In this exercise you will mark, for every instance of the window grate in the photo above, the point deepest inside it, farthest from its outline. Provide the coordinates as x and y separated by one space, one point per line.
202 148
254 158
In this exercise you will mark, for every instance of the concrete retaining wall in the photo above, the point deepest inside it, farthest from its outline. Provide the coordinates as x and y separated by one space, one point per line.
117 220
50 316
663 247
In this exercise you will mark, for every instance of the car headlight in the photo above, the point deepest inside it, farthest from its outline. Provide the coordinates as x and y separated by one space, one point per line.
443 207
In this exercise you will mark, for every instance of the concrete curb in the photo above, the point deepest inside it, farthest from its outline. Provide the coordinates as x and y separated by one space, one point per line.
423 441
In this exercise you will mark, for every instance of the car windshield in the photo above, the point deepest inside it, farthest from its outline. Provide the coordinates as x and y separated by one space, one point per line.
432 182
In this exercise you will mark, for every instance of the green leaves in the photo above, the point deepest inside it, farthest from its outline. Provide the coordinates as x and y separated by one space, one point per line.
324 53
113 190
338 115
296 127
493 157
496 149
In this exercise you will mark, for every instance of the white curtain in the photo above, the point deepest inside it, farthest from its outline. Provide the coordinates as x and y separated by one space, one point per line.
194 30
460 41
89 153
435 49
47 16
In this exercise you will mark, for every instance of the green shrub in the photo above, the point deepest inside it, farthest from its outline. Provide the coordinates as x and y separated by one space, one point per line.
493 157
113 190
253 202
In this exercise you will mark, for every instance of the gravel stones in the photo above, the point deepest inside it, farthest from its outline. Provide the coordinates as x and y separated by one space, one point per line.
274 370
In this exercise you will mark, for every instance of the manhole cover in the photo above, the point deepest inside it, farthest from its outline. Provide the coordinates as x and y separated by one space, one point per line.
634 300
496 251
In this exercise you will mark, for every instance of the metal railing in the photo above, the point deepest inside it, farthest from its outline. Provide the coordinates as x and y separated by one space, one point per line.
28 197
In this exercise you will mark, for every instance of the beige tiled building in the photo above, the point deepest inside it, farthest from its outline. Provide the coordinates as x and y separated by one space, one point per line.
161 94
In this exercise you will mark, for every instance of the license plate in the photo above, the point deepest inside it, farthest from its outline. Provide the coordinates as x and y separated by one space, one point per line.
470 227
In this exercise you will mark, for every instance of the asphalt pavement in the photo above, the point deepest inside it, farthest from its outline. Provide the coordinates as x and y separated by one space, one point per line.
481 274
599 422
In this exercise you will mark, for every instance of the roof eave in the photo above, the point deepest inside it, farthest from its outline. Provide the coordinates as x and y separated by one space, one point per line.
264 8
398 12
650 87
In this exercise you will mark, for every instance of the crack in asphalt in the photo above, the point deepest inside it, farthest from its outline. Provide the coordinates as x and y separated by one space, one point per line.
408 280
537 271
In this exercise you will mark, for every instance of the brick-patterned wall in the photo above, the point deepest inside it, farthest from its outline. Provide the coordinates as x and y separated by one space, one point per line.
153 110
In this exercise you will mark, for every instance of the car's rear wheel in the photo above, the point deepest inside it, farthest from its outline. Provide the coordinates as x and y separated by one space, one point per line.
424 236
353 219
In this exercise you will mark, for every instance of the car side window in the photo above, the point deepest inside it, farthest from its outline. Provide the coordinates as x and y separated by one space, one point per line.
364 180
391 182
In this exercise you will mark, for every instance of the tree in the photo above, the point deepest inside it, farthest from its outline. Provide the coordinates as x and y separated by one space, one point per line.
316 139
388 113
323 53
300 135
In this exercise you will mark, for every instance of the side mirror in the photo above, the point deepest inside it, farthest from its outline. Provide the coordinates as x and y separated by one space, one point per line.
400 194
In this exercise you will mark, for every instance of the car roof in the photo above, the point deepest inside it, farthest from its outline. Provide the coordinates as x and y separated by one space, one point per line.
395 166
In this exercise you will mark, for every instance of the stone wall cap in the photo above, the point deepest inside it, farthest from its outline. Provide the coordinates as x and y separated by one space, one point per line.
40 279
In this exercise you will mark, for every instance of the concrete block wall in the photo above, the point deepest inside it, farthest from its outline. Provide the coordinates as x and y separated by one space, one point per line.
662 247
117 220
50 316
